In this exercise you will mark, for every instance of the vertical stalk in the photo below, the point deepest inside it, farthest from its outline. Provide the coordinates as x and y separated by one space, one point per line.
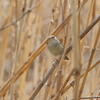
76 47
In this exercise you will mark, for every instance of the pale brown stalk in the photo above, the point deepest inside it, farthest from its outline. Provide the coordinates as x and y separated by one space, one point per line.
33 56
72 83
89 63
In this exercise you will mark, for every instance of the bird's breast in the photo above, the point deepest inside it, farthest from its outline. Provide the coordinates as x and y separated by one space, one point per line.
55 49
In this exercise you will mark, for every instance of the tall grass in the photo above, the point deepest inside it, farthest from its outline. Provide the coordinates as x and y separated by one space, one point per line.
28 70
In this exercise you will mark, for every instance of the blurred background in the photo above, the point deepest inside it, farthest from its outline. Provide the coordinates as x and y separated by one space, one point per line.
36 19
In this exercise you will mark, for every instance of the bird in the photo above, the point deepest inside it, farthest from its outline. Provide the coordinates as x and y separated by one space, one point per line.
55 47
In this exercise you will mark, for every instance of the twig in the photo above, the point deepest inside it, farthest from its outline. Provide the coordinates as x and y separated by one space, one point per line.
89 63
72 83
40 85
28 11
63 86
84 32
26 64
20 71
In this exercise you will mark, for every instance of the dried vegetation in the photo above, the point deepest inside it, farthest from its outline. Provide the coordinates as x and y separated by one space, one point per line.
28 70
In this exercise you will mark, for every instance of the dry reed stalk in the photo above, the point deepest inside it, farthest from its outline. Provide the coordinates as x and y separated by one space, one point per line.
17 49
37 89
53 89
64 4
87 23
37 36
93 97
96 81
63 86
26 52
43 69
28 11
47 87
84 32
6 96
4 46
50 86
38 41
47 75
27 63
72 83
34 55
89 63
5 43
93 14
79 24
59 70
69 48
21 26
76 46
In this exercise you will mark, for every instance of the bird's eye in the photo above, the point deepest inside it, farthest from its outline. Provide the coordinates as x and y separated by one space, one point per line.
52 36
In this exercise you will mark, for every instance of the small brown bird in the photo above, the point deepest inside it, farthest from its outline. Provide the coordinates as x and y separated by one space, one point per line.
55 47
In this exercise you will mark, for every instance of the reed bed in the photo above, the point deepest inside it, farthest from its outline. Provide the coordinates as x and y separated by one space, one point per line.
28 70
